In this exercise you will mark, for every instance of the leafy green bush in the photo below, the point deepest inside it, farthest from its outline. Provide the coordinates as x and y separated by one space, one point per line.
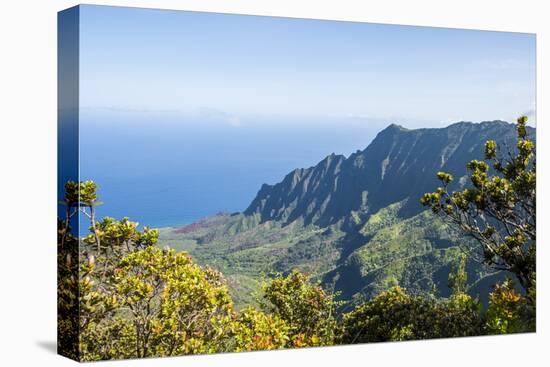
306 308
499 209
509 311
395 315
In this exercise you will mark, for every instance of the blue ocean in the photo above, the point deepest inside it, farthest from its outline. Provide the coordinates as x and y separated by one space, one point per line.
169 171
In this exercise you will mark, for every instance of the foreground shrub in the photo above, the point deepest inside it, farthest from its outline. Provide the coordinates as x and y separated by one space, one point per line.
308 310
395 315
509 311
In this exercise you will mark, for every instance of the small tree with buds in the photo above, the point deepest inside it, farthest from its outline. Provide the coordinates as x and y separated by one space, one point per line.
499 209
80 197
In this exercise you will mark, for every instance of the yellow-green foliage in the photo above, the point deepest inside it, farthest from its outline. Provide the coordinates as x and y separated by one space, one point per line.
121 235
80 192
170 299
458 277
67 294
307 308
256 330
159 303
108 338
499 208
130 299
395 315
509 311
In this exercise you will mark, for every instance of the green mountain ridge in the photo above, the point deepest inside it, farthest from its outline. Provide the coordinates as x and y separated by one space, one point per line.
355 224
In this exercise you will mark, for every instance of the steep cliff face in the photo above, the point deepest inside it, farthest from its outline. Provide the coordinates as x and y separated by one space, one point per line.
355 223
398 164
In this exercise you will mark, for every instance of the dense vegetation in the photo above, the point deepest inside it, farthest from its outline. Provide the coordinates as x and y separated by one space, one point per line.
123 296
355 223
131 299
498 211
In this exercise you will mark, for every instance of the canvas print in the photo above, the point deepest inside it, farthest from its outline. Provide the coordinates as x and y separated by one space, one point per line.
232 183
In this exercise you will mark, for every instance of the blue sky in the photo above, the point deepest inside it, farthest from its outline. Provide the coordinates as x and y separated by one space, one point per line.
248 69
172 103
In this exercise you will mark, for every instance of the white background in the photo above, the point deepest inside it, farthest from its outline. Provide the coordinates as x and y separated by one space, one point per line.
28 181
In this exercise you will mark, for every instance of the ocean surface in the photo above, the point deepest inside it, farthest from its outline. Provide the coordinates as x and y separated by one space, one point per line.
167 172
